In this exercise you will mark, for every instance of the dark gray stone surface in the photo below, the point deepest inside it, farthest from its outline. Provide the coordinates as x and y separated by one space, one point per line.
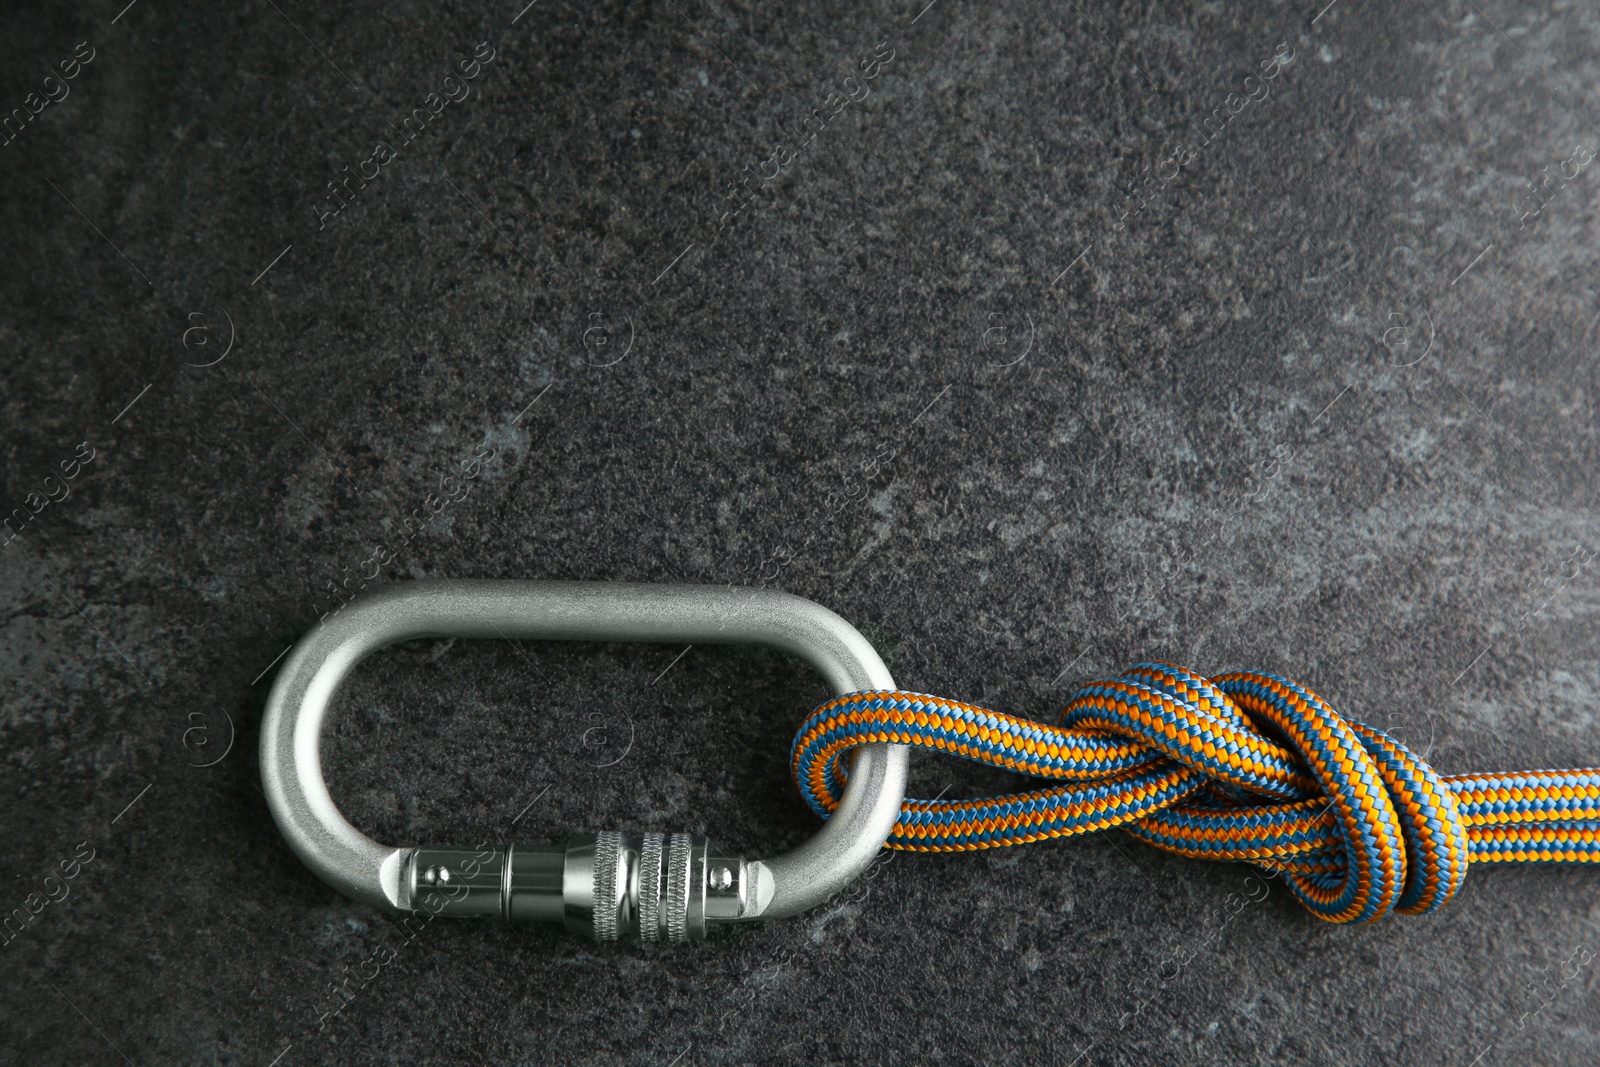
937 374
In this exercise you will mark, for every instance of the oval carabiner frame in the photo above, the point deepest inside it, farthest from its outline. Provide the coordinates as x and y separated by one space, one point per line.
361 868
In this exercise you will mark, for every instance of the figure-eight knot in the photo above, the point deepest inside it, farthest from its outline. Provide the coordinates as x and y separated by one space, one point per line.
1244 766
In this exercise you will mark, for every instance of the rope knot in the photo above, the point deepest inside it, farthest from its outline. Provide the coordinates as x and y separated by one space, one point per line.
1244 766
1358 823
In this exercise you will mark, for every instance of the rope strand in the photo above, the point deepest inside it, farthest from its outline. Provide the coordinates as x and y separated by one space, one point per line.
1244 766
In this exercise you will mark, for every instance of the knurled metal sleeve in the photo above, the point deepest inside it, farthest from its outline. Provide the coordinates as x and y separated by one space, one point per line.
676 901
607 865
650 862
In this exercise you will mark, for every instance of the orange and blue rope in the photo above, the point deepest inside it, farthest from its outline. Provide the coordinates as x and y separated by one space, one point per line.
1244 766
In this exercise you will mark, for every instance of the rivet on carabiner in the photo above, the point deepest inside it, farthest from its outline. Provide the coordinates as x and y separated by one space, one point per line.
607 885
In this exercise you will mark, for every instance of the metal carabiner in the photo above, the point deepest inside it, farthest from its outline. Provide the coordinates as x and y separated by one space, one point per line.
606 884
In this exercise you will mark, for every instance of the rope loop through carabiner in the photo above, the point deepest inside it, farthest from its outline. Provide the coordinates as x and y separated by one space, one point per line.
1244 766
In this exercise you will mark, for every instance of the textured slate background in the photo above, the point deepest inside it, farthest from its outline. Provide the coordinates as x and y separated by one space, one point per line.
929 376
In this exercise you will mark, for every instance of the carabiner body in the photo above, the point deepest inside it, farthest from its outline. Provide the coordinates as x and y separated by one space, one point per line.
610 884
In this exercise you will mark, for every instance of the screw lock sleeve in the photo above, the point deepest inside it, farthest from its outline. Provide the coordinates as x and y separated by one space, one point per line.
606 885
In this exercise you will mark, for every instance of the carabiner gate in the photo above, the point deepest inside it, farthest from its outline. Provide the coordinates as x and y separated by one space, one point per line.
662 887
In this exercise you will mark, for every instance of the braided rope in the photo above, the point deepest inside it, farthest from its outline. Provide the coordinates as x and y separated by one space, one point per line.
1244 766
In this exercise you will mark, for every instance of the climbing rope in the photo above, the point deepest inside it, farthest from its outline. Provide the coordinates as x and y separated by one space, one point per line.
1244 766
